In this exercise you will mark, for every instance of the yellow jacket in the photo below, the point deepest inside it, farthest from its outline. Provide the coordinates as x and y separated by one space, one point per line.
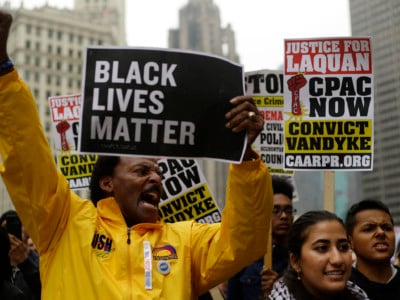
84 251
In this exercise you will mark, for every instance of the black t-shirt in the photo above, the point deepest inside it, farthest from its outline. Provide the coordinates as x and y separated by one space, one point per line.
376 290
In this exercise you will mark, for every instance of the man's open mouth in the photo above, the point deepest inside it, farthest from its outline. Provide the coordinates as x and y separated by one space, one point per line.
151 195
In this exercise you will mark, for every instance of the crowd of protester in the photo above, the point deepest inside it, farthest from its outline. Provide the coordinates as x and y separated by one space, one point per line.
102 249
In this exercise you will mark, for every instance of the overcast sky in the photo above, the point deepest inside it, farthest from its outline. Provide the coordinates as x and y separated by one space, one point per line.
260 26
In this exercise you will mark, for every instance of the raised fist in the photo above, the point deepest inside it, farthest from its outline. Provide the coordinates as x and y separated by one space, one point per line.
5 24
295 83
62 127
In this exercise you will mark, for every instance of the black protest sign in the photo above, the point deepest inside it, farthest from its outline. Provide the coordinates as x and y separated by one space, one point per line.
159 103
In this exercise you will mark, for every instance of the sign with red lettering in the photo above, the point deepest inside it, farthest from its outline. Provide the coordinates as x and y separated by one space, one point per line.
76 168
65 112
328 92
266 88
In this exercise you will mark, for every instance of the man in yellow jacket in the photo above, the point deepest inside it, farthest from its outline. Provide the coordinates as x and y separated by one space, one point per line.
118 248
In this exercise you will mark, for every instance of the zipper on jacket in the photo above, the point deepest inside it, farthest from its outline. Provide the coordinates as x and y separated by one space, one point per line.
128 241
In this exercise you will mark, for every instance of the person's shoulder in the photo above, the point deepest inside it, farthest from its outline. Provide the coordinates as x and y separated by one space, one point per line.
356 290
396 279
356 276
280 291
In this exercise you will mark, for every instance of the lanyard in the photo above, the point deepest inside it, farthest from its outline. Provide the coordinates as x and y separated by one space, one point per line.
147 266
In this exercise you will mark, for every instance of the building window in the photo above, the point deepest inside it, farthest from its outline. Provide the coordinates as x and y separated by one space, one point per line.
28 44
59 35
49 49
50 33
59 50
28 28
27 75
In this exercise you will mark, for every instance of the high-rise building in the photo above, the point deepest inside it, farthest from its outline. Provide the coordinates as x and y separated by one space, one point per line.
380 19
47 46
200 30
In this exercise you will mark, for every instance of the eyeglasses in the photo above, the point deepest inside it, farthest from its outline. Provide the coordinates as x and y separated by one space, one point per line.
288 210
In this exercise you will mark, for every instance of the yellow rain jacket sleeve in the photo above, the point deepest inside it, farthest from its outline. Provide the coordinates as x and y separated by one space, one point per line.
84 253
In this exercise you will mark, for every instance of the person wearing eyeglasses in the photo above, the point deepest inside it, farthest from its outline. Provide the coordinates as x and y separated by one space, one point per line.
253 282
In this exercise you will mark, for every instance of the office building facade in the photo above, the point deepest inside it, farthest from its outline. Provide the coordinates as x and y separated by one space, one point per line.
47 45
380 19
200 30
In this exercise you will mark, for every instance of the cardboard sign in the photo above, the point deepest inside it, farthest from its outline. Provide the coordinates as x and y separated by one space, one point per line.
329 108
152 102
